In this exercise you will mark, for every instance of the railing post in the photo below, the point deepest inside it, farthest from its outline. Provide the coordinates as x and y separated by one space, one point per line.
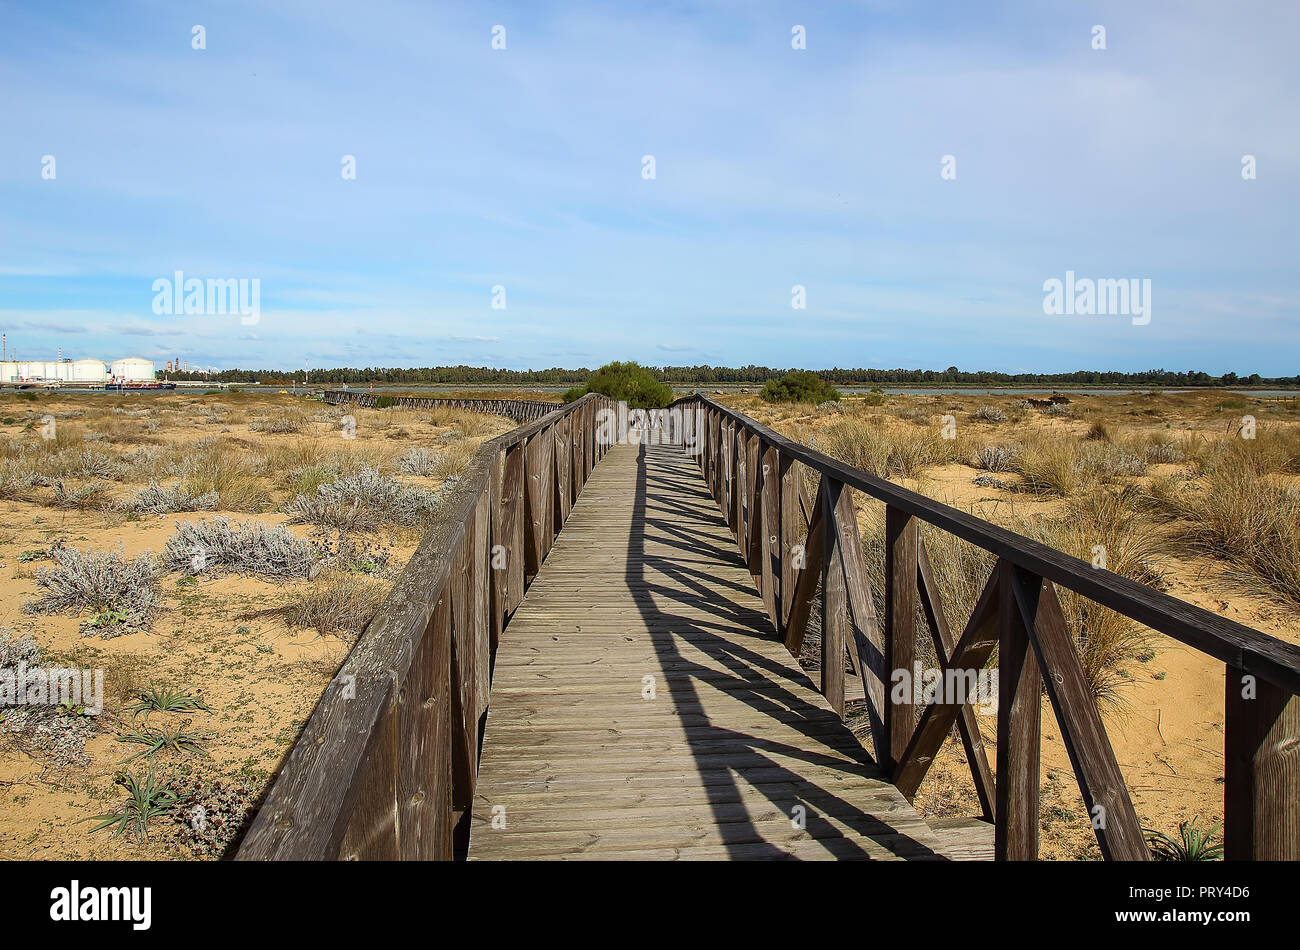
900 626
498 573
719 472
1261 746
769 533
739 474
532 465
1015 836
479 550
791 535
834 602
464 695
512 500
424 730
710 453
753 549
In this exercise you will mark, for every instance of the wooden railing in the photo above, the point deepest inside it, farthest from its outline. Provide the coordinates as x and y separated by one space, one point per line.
386 765
521 410
794 539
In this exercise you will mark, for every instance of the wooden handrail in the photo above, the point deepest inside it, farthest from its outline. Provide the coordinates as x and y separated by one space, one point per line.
385 766
1233 643
1018 613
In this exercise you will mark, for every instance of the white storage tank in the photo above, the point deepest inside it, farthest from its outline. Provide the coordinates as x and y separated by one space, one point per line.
132 369
8 372
88 371
37 370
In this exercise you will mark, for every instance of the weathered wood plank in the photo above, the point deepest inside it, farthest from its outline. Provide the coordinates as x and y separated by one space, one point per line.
424 746
479 553
371 831
1019 730
464 685
834 603
512 500
768 532
792 533
900 624
1261 795
868 644
1100 782
498 575
808 560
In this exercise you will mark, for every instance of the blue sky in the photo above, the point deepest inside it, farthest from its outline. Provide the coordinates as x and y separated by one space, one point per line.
774 167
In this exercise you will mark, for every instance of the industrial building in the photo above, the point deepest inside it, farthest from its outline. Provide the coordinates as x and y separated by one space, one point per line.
85 372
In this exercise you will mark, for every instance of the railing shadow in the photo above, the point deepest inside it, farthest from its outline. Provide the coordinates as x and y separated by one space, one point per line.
675 512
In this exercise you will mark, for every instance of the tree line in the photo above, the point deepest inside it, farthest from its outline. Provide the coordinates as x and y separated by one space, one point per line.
705 375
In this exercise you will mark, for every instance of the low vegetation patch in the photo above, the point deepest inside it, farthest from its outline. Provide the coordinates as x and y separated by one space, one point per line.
225 806
280 424
157 500
420 461
148 799
366 501
56 733
245 547
121 592
995 458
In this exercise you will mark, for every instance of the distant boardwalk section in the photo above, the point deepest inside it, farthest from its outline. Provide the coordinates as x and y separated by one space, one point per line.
521 410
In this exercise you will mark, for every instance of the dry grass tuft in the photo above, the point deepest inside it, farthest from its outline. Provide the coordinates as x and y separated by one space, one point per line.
213 467
337 602
884 451
1249 521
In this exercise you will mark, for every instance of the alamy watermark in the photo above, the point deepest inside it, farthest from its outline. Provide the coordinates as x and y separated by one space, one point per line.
83 690
192 296
676 425
1102 297
927 685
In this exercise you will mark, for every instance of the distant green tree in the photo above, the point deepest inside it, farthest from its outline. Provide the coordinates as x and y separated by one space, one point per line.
631 383
799 385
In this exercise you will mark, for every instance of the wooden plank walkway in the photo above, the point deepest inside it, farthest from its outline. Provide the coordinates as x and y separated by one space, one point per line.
645 586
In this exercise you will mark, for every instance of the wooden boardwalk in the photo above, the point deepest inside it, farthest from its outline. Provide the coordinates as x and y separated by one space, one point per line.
633 701
645 590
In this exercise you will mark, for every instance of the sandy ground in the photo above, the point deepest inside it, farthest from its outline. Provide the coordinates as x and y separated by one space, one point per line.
214 637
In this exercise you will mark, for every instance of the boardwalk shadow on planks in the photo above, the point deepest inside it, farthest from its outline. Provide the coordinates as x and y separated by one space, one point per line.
668 486
646 580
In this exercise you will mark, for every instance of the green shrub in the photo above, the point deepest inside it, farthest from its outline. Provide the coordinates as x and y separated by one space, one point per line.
628 382
799 385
